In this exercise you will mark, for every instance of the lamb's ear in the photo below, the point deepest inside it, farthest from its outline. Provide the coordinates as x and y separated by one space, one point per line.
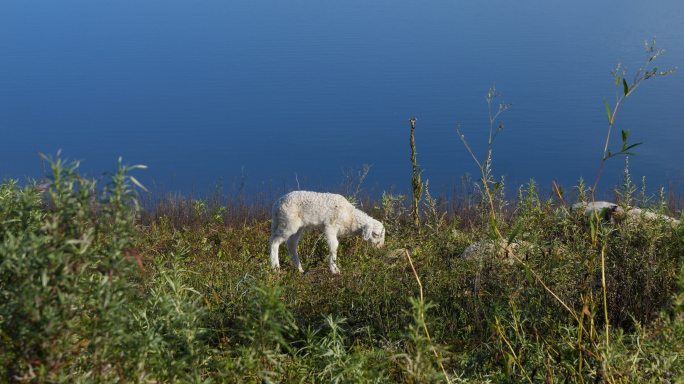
367 231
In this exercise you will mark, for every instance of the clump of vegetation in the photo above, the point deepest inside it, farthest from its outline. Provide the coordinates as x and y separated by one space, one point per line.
95 288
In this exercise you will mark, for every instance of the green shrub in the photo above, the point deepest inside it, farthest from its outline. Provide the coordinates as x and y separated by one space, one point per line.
73 309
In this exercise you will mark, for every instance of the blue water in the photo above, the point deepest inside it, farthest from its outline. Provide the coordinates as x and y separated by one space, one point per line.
299 90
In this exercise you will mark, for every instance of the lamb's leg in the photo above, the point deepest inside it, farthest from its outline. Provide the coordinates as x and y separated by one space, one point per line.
332 245
292 248
276 240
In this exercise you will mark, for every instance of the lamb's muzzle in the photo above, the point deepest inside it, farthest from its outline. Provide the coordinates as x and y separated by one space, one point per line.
298 211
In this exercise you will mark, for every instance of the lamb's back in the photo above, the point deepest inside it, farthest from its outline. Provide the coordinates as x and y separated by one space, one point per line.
311 208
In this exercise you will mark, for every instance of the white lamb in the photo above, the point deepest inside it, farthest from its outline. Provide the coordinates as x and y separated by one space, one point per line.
333 214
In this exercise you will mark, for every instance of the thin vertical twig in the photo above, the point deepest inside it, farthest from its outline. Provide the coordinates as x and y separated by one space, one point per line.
605 300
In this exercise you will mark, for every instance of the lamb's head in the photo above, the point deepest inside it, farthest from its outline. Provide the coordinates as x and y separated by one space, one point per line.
374 233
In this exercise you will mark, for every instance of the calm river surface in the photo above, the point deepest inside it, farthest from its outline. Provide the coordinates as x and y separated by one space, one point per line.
298 90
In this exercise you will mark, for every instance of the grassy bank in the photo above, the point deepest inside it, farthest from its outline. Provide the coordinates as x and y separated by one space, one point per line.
96 290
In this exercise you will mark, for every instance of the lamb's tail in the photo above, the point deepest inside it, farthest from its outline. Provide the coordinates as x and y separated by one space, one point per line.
274 221
275 218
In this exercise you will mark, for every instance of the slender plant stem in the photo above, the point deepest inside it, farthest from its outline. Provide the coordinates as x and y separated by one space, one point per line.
605 300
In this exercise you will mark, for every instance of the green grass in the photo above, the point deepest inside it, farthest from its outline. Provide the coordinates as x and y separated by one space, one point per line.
183 292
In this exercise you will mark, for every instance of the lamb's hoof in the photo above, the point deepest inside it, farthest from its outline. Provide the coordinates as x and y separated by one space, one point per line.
334 269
